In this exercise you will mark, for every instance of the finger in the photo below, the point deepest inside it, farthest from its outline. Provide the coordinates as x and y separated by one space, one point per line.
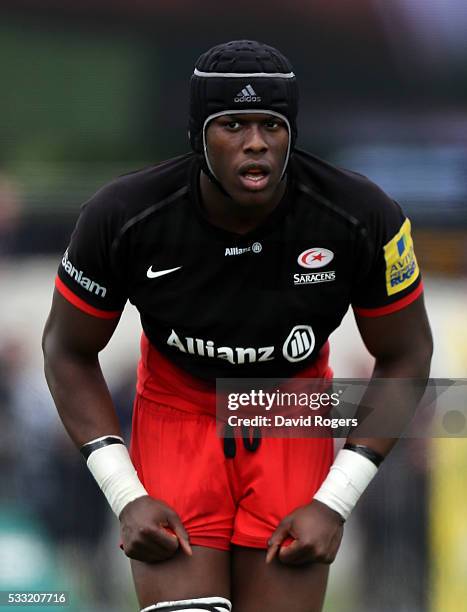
149 548
181 533
161 537
184 542
148 554
272 551
279 535
293 553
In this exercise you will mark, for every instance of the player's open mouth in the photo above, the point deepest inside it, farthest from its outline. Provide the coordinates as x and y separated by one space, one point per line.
255 176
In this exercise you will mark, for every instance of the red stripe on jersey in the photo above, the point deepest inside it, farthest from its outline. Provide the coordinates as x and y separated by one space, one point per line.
159 380
394 307
81 304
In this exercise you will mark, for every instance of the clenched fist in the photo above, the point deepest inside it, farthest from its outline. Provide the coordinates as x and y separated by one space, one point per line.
316 533
152 531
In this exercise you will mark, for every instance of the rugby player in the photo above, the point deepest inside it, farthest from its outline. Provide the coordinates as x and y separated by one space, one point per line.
242 257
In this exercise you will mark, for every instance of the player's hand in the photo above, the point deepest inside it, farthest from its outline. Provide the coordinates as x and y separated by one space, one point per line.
152 531
316 533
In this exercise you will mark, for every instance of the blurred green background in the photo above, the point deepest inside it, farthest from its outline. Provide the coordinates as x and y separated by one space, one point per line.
93 89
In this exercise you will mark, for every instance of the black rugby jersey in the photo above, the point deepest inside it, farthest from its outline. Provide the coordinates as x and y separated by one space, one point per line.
220 304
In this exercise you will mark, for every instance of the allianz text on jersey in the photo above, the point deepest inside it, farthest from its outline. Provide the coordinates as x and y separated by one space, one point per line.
298 345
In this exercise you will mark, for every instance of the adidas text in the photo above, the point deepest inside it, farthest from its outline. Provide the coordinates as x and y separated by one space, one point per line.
248 94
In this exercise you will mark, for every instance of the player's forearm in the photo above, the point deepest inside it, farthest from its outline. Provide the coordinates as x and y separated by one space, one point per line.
86 409
385 410
390 403
414 364
71 343
81 395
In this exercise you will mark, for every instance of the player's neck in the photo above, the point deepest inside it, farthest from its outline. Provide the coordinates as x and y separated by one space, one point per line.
224 212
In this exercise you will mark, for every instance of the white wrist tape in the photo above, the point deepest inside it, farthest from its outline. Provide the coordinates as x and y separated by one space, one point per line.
113 470
349 476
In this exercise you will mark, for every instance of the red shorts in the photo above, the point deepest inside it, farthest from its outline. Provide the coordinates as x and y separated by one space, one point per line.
180 459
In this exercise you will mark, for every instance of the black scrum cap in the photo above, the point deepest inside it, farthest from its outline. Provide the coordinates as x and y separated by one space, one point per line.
241 76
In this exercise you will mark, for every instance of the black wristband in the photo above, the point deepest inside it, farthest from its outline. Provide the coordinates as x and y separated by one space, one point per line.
365 451
90 447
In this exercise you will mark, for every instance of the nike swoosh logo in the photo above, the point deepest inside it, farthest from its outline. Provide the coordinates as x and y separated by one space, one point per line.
151 274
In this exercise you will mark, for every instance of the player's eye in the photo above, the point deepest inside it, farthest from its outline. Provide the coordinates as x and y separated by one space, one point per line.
273 124
232 124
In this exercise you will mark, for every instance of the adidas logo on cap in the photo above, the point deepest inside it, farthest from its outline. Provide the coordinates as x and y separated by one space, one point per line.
248 94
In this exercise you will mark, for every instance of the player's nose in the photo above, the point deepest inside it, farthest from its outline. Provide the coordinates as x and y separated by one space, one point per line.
254 139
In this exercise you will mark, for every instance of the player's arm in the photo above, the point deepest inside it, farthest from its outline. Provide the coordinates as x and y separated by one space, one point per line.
71 344
402 345
72 341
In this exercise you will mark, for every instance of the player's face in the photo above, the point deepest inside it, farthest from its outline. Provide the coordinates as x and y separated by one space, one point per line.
247 153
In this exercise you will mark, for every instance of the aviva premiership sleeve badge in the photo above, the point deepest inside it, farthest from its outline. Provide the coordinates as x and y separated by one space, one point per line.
401 264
